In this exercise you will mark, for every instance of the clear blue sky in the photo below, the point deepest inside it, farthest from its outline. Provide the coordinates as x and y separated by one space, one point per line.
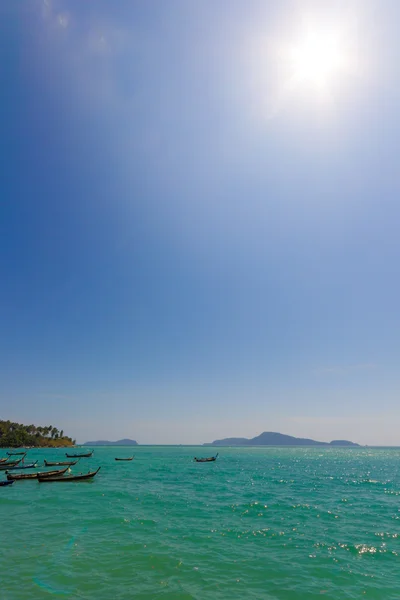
199 229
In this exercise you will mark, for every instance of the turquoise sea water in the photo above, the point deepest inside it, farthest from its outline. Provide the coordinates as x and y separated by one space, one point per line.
259 523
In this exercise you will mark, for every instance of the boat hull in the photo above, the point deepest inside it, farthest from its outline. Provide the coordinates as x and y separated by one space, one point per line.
43 474
80 477
87 455
203 460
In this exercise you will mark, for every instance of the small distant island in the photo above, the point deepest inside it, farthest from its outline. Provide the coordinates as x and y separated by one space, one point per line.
125 442
16 435
270 438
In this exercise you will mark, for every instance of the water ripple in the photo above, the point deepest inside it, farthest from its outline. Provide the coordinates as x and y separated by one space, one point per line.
276 524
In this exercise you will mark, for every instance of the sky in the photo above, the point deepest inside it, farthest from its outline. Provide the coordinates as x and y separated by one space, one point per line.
199 218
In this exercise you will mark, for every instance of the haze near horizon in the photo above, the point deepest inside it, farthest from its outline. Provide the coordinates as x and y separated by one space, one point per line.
199 219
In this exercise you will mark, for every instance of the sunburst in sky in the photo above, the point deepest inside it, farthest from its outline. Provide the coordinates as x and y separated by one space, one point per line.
319 58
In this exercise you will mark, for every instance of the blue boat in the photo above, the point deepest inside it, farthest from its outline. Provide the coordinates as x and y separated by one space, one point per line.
6 483
27 466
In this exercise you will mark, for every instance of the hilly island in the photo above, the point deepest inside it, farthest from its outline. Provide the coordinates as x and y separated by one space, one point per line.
270 438
124 442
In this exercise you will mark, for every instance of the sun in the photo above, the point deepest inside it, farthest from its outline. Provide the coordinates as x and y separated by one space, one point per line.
317 57
310 61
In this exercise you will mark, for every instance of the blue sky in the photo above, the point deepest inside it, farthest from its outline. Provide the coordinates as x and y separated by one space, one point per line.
197 240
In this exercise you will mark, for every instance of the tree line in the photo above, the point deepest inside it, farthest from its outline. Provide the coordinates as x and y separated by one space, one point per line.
15 434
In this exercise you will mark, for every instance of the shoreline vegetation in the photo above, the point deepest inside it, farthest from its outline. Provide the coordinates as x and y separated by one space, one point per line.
16 435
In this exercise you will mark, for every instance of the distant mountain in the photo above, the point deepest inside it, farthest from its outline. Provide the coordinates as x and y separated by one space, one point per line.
125 442
270 438
342 443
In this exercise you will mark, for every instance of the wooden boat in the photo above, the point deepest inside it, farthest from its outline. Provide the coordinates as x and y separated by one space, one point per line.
6 483
210 459
130 458
87 455
43 474
15 453
3 459
70 463
79 477
10 464
27 466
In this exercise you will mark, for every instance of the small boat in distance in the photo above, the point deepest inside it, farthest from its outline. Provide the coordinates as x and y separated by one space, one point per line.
210 459
3 459
6 483
15 453
129 458
85 455
70 463
79 477
54 473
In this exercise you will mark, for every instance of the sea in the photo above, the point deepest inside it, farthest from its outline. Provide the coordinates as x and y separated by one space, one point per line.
262 523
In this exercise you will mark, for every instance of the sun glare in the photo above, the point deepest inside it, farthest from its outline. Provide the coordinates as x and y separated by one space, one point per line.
311 61
317 58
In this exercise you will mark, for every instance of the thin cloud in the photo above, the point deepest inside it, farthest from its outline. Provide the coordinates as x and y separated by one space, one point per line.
63 20
54 16
345 369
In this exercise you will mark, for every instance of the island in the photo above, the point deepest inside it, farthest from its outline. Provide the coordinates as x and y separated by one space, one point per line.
124 442
16 435
270 438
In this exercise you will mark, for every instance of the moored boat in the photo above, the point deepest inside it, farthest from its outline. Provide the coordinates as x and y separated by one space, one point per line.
6 483
78 477
15 476
15 453
210 459
129 458
43 474
85 455
70 463
27 466
9 464
2 460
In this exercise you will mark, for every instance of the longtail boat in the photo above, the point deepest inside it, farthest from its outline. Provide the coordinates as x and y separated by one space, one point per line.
27 466
210 459
87 455
79 477
43 474
9 464
129 458
4 459
6 483
15 453
70 463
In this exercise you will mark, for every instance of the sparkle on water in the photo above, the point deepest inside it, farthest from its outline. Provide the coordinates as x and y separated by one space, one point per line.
270 523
